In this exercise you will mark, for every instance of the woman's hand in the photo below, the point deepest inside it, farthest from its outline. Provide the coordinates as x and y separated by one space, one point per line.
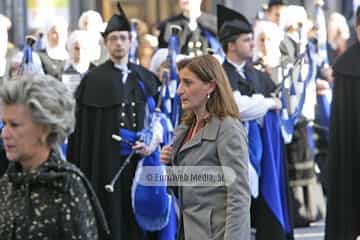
165 154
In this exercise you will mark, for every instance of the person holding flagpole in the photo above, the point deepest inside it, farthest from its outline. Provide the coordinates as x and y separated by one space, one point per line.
198 29
252 87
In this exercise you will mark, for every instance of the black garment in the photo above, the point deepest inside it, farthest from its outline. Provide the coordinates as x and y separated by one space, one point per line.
332 54
343 209
71 70
104 104
301 169
190 41
72 78
3 161
51 66
117 22
53 202
256 82
231 23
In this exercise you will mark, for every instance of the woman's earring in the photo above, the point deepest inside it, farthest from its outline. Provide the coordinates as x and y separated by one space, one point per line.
208 96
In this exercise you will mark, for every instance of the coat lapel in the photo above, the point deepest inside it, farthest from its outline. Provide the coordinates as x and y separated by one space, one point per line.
196 140
208 133
180 134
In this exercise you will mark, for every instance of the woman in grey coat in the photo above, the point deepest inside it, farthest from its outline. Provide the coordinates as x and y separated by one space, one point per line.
209 137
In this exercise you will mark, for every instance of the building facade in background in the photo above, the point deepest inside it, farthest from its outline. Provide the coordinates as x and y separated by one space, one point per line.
27 14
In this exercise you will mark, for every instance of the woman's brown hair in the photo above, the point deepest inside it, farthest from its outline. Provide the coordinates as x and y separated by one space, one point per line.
221 102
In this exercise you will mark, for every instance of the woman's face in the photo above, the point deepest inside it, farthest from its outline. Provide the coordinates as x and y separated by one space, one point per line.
21 136
75 52
275 13
264 42
192 91
53 36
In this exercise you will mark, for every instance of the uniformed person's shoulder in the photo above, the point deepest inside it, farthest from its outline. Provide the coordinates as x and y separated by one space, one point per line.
228 67
172 20
349 62
150 80
251 67
141 70
209 22
258 72
100 87
95 71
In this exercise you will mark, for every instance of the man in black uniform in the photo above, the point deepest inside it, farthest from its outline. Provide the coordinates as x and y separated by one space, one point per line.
236 37
112 96
198 29
343 206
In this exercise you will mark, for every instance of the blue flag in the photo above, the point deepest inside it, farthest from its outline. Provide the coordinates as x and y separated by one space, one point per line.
272 181
255 146
214 44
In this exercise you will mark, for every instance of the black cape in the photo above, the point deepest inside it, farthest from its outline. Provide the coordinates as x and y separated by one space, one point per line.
4 163
104 104
343 209
256 82
205 22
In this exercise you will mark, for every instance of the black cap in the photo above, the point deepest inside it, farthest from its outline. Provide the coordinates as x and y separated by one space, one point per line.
284 3
231 23
118 22
275 3
30 40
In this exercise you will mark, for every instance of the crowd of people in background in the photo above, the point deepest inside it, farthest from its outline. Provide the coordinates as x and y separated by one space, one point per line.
240 83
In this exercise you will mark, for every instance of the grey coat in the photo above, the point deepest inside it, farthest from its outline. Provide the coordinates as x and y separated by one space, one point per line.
215 212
